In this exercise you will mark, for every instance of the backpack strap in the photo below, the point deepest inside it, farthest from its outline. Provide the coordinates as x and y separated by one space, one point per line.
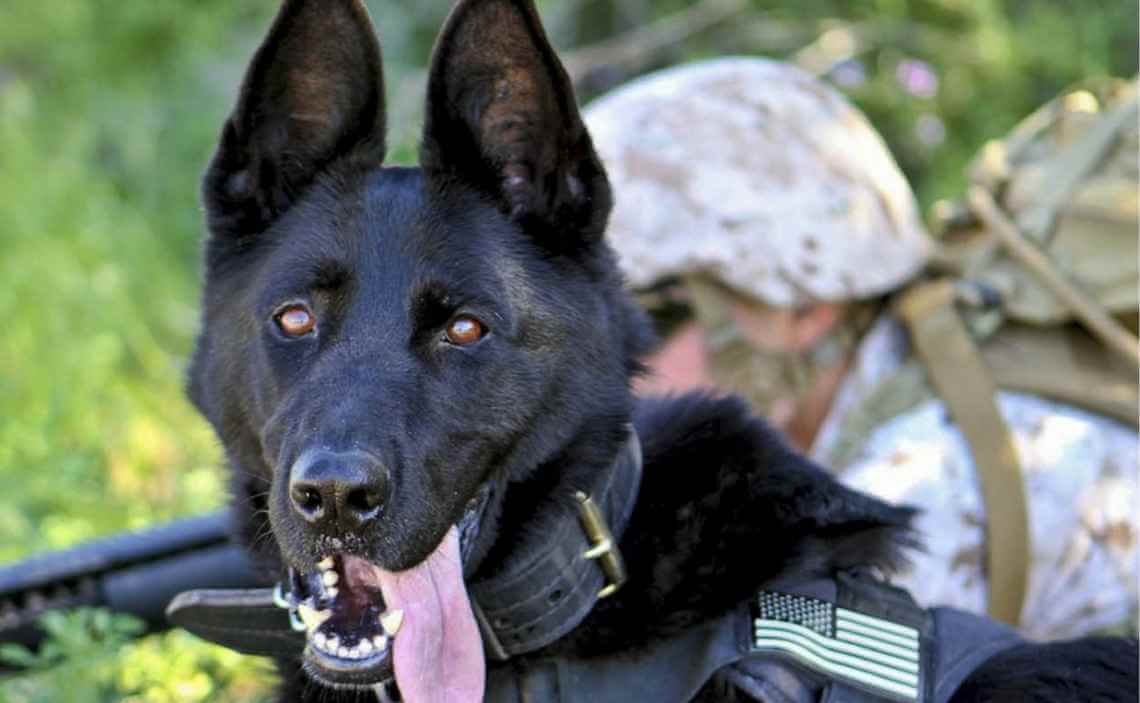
960 376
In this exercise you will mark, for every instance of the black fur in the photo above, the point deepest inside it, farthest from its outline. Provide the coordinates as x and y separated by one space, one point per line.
504 222
1090 670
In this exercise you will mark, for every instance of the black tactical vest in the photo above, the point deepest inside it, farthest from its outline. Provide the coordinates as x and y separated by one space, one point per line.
847 640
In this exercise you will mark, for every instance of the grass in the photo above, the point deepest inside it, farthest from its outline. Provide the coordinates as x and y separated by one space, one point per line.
108 111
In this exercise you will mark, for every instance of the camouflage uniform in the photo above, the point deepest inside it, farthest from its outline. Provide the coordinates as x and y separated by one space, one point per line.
751 176
1080 475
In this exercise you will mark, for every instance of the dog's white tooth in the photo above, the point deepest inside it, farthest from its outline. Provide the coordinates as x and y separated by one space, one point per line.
312 617
391 620
365 647
329 578
320 639
331 645
342 652
332 592
325 564
380 642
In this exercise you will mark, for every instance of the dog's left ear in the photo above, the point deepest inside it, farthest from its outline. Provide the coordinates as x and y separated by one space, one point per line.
501 117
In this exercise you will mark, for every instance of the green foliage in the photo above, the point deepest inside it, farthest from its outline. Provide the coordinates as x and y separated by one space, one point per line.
108 110
74 637
90 657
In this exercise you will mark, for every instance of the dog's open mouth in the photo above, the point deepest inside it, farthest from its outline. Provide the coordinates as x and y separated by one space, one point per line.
365 625
349 631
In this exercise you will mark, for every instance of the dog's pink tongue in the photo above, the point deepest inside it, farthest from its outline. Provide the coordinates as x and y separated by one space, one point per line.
437 654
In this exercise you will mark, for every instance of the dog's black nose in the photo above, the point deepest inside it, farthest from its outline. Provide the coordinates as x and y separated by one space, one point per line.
341 490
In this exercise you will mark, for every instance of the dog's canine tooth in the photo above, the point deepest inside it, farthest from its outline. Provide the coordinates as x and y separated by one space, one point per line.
325 564
391 621
312 617
365 647
332 644
380 642
330 578
319 639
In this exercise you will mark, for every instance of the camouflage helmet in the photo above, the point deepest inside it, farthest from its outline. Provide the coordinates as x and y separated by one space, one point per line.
755 173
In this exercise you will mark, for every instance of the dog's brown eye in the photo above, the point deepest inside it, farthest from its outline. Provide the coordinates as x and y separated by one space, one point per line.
296 320
465 330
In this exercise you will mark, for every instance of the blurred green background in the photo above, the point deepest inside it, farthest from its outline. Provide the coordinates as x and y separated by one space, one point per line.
108 110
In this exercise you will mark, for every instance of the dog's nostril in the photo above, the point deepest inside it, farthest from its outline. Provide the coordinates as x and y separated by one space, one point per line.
308 500
363 500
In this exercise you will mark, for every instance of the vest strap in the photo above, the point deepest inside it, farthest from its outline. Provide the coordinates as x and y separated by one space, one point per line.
960 376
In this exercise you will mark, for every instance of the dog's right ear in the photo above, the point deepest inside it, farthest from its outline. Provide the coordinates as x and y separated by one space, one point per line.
313 93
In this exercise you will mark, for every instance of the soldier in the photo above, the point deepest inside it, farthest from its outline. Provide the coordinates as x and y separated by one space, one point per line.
780 250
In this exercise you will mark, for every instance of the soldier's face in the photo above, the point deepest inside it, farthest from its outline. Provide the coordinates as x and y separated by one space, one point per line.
684 361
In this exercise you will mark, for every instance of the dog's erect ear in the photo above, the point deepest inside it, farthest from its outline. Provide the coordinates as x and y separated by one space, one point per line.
501 116
313 93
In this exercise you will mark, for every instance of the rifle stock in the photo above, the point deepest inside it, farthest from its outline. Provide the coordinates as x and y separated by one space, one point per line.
135 573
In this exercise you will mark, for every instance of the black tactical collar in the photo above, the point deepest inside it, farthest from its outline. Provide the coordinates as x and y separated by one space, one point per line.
536 598
543 593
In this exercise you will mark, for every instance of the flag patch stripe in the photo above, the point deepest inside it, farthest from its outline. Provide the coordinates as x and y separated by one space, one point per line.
841 624
894 627
884 647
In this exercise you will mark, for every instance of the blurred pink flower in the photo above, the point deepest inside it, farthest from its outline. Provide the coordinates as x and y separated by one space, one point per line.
917 78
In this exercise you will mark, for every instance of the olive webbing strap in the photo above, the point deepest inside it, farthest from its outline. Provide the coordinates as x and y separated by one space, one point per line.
959 375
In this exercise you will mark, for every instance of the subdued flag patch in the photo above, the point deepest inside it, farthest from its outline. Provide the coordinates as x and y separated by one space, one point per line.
865 651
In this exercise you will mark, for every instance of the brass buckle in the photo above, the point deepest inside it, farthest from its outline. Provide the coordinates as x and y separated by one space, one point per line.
603 548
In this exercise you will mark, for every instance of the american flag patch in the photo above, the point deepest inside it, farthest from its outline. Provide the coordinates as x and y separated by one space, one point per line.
875 654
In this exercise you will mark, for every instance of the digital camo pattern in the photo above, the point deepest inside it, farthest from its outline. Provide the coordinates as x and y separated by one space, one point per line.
760 175
1081 482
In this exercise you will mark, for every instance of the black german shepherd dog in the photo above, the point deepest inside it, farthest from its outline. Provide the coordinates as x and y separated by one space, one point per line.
417 373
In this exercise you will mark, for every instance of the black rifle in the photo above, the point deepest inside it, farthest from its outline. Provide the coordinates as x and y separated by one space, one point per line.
136 573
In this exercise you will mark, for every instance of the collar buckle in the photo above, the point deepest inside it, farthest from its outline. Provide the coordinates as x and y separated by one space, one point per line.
603 547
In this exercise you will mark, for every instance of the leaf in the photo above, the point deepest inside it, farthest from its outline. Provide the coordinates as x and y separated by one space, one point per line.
19 656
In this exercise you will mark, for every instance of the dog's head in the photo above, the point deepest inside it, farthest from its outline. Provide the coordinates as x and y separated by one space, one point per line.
383 347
